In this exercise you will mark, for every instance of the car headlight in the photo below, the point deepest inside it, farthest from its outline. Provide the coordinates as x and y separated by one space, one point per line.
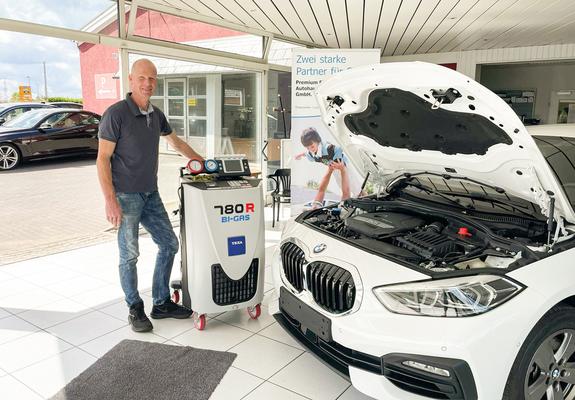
453 297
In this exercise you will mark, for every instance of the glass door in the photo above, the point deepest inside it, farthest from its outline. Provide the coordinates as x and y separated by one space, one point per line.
176 110
197 113
240 116
566 112
562 107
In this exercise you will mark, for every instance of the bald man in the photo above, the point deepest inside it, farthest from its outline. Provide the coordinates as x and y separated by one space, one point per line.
127 164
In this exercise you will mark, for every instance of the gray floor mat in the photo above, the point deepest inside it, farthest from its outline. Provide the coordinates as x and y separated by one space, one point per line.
141 370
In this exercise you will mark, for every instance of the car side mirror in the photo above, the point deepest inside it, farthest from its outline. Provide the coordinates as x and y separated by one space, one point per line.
2 120
45 126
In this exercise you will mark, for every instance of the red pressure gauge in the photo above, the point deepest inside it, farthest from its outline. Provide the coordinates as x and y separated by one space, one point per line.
195 166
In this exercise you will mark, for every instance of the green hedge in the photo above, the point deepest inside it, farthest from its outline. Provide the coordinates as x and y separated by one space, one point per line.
66 99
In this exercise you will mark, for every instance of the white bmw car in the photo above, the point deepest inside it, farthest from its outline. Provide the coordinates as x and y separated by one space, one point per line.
455 278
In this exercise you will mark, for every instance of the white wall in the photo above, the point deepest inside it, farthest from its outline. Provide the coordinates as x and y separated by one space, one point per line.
467 61
545 78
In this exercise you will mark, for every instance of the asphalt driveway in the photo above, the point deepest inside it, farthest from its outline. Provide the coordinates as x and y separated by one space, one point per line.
56 205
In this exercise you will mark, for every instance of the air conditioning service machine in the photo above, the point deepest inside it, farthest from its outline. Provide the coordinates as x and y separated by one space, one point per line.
222 238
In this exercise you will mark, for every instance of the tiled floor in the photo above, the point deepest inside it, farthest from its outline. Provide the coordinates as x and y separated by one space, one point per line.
60 313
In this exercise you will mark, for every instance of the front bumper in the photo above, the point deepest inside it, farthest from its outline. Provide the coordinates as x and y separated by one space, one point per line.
488 342
313 331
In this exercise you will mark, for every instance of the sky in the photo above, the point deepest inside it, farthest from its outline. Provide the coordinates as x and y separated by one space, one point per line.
21 55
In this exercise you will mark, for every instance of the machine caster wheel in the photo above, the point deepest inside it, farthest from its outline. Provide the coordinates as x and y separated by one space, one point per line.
199 321
255 311
176 296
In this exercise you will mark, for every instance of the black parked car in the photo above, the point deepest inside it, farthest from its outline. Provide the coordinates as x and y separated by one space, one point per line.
48 132
10 111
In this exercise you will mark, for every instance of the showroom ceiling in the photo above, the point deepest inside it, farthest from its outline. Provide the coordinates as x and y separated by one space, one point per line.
396 26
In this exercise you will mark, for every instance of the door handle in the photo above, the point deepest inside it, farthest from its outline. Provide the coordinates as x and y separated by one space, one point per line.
264 150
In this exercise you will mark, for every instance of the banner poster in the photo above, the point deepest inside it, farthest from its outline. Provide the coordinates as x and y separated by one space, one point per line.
317 159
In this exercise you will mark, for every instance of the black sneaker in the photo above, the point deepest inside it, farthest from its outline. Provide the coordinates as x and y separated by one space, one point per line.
170 310
138 319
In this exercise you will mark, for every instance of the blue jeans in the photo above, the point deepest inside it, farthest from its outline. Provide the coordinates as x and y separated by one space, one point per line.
146 209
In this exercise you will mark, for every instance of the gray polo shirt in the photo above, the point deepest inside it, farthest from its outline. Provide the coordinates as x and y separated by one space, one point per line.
137 137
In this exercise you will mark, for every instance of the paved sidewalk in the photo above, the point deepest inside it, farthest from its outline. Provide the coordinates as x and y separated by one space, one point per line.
56 205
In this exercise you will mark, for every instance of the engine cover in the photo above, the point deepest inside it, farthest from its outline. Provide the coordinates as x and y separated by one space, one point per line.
428 244
379 225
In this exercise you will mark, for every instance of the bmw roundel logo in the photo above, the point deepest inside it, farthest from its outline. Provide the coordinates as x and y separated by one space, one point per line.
319 248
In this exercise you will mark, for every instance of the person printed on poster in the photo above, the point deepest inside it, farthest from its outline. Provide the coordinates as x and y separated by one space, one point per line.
330 155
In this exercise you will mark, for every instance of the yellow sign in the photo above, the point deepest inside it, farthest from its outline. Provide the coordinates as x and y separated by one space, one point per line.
192 102
25 93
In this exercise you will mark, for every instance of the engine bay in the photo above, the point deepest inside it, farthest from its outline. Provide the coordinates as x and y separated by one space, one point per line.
428 239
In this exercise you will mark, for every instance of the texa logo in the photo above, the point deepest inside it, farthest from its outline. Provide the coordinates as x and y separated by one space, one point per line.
319 248
242 212
236 245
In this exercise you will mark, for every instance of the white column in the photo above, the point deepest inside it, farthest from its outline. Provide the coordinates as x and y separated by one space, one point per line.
124 69
214 113
262 129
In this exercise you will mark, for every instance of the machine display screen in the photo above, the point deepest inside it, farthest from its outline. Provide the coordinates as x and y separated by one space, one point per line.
233 166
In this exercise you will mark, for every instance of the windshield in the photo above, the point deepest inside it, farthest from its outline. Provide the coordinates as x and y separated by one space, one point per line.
26 120
560 155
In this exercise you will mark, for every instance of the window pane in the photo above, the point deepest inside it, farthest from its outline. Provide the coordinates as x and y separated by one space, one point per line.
197 135
196 107
177 126
89 119
159 88
279 105
14 113
566 112
198 143
242 146
168 67
280 52
175 88
239 117
176 107
158 103
69 14
239 99
53 120
174 29
560 155
69 122
197 127
196 86
278 118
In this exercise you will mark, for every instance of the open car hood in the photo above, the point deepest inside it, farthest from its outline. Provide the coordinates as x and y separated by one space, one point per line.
409 117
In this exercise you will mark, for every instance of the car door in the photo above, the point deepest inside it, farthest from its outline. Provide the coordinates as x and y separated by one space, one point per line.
56 134
86 139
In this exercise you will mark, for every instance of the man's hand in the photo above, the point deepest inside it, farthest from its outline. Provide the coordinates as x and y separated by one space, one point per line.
113 212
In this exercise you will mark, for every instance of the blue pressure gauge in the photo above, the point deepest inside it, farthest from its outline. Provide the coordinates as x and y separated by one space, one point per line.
211 166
